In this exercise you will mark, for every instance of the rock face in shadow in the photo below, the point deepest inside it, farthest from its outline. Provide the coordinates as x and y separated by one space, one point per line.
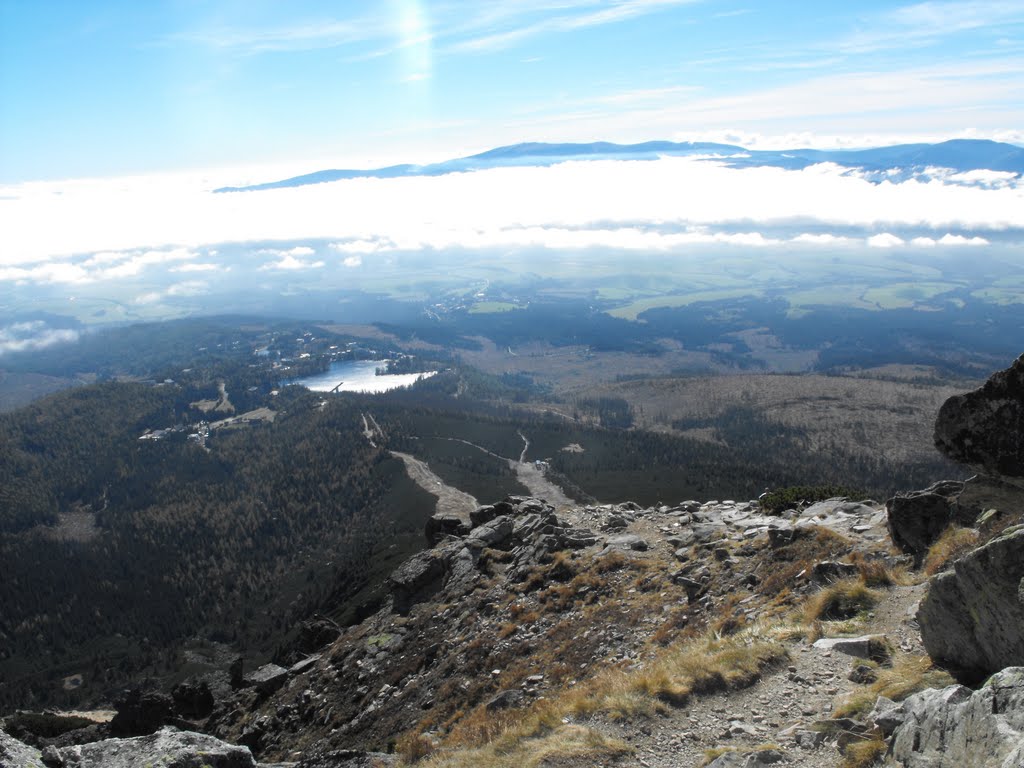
973 615
984 429
959 728
918 518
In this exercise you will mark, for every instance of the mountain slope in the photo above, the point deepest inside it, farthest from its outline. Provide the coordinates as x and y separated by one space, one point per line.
959 155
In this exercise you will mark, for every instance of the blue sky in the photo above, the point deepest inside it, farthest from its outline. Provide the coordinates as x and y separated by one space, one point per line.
108 88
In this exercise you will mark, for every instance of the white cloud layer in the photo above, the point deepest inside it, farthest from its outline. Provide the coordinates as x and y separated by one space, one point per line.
92 231
34 334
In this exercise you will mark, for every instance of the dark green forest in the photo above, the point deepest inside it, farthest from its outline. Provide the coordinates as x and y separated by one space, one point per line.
236 542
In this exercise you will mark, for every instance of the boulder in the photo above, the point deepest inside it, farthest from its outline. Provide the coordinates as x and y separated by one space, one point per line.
266 679
140 713
486 513
829 571
416 579
747 758
887 715
14 754
193 699
984 429
959 728
508 699
918 518
167 748
628 541
492 533
866 647
972 615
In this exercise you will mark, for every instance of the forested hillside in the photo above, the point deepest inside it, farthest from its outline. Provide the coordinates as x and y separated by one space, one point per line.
115 549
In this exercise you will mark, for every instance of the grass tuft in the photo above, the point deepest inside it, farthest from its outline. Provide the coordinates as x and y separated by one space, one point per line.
845 599
954 543
907 676
862 754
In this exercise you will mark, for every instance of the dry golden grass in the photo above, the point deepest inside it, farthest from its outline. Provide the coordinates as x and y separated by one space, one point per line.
907 676
810 547
526 737
875 573
862 754
952 544
844 599
700 665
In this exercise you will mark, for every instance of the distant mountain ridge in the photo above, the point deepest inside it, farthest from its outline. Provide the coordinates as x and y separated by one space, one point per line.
898 162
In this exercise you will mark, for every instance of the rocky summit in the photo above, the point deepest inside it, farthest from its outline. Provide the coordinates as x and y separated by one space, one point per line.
832 632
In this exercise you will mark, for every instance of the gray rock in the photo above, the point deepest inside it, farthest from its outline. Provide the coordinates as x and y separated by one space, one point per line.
14 754
763 757
486 513
417 579
729 760
266 679
781 534
51 757
829 571
494 532
984 429
862 674
887 715
628 541
141 712
810 739
167 748
957 728
445 524
304 665
509 699
193 699
577 538
972 616
866 647
704 533
918 518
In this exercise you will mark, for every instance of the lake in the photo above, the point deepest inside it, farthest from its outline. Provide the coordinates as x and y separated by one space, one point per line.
358 376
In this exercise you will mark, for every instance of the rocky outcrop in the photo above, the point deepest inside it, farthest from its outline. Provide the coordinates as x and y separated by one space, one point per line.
957 728
14 754
984 429
918 518
972 616
141 712
167 748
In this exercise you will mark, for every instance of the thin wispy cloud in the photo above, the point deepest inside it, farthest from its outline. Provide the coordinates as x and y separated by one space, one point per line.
585 15
928 23
310 35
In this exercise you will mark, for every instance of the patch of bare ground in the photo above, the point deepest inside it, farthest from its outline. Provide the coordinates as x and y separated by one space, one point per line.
449 500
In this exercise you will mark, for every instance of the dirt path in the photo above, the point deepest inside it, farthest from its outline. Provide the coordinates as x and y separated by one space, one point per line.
449 500
529 474
801 691
538 484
